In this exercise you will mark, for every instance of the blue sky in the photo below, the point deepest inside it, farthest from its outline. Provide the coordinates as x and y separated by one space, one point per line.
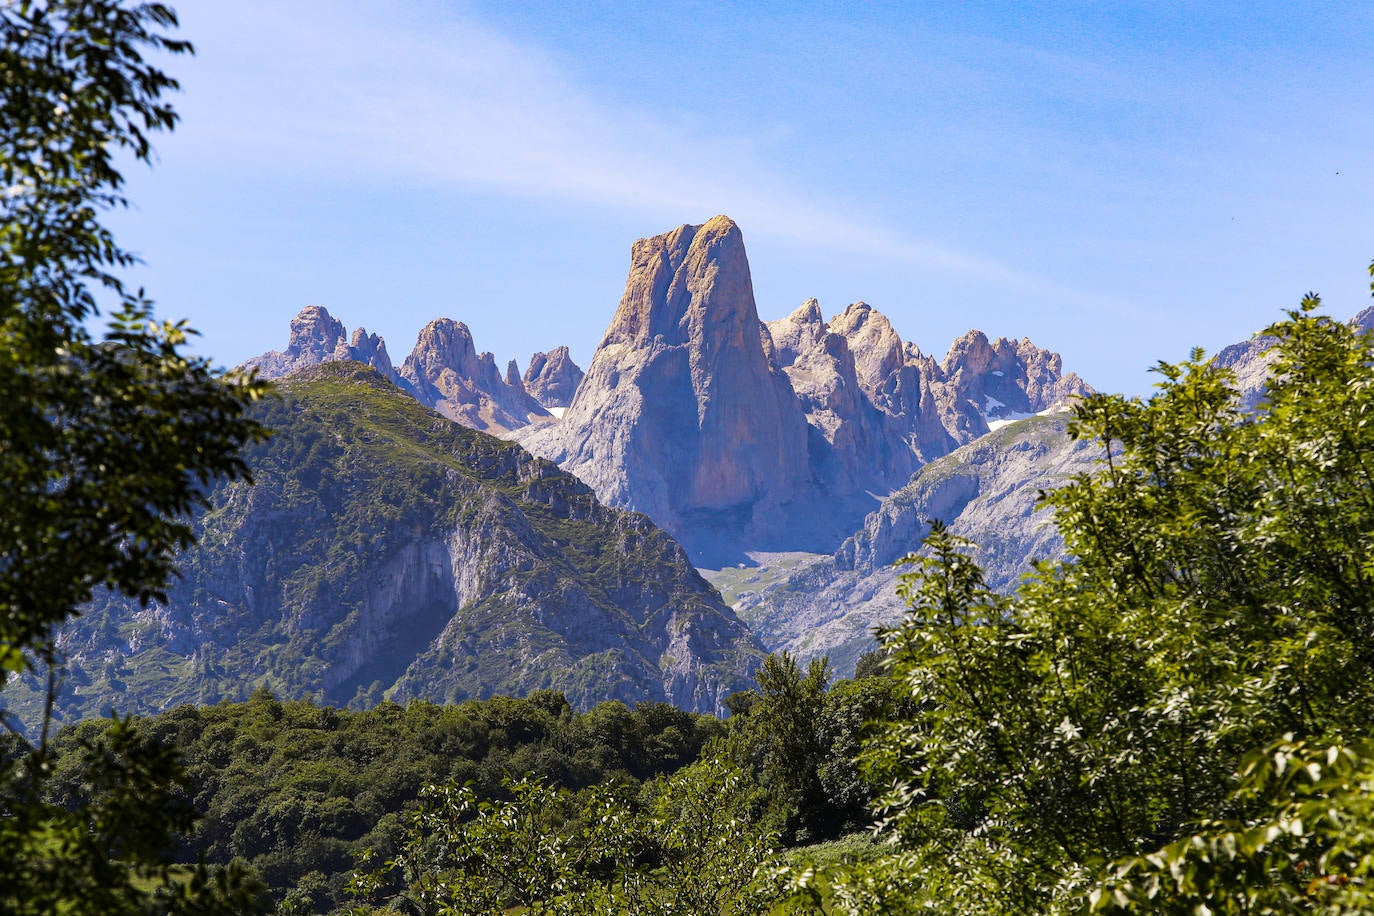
1117 181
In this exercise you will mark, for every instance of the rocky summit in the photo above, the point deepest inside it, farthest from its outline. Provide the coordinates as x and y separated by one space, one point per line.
446 372
683 414
552 378
317 337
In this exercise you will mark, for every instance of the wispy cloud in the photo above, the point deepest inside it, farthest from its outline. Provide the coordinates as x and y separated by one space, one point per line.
351 93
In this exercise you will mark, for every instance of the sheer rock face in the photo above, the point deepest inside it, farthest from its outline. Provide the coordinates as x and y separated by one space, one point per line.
513 379
682 415
1249 363
318 337
552 378
370 349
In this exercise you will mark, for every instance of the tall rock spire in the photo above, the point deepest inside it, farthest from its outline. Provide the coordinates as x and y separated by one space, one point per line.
682 414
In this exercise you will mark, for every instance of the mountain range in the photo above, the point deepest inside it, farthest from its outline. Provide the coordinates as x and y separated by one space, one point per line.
393 548
733 434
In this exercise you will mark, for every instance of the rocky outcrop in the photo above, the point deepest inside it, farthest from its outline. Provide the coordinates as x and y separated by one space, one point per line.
446 372
386 551
317 337
1004 380
682 414
935 407
882 408
552 378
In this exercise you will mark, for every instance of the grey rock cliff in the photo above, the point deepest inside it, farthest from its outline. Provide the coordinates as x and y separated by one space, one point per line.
1004 379
552 378
737 435
899 381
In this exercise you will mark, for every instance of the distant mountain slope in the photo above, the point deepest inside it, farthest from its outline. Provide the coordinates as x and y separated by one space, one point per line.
387 550
985 491
1249 362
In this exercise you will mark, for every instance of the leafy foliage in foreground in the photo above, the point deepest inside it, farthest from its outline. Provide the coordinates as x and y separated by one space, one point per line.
1219 598
689 847
704 838
107 445
104 846
1308 846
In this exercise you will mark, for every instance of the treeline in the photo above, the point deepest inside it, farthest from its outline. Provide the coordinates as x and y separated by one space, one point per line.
298 791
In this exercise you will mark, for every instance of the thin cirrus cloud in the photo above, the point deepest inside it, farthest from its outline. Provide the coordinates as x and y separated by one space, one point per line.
338 93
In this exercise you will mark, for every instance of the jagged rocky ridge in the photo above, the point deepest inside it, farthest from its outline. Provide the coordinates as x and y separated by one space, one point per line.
444 370
387 551
829 604
736 435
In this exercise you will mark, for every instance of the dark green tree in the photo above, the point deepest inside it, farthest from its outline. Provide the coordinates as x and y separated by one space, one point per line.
107 444
775 735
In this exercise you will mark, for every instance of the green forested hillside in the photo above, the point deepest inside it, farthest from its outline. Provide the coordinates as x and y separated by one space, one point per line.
298 790
385 551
